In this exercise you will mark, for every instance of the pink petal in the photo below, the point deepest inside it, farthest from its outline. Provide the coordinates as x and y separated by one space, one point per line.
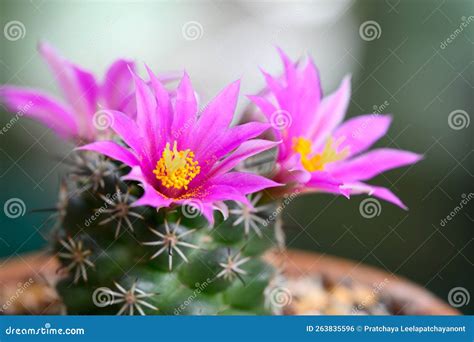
289 66
88 89
152 198
357 188
78 86
373 163
223 208
362 132
135 174
326 182
293 176
222 192
274 85
147 120
330 113
327 188
237 135
164 109
311 84
217 116
247 149
41 107
268 110
388 196
232 138
264 105
207 210
127 129
185 109
245 183
308 99
118 84
113 150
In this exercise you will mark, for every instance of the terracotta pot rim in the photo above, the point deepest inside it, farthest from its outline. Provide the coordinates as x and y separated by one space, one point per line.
298 263
295 264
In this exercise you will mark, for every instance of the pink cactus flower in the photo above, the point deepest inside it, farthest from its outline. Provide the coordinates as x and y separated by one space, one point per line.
320 152
78 118
182 156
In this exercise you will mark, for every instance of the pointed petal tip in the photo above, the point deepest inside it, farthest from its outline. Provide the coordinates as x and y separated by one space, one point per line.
346 192
150 72
48 52
415 157
347 80
282 53
419 157
133 73
185 75
398 202
44 45
137 80
146 66
232 89
276 184
272 144
310 61
284 56
387 118
185 83
263 71
237 82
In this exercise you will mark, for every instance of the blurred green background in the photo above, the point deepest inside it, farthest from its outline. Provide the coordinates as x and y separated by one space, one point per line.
408 67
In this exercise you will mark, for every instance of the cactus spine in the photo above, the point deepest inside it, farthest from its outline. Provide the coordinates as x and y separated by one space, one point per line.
120 259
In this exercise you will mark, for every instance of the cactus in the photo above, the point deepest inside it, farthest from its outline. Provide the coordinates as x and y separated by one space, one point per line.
137 260
160 219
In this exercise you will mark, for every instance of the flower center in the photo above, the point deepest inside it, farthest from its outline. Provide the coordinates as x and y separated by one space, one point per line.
318 161
176 168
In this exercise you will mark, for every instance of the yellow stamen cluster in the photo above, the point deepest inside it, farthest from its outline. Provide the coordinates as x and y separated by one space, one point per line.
176 169
317 162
